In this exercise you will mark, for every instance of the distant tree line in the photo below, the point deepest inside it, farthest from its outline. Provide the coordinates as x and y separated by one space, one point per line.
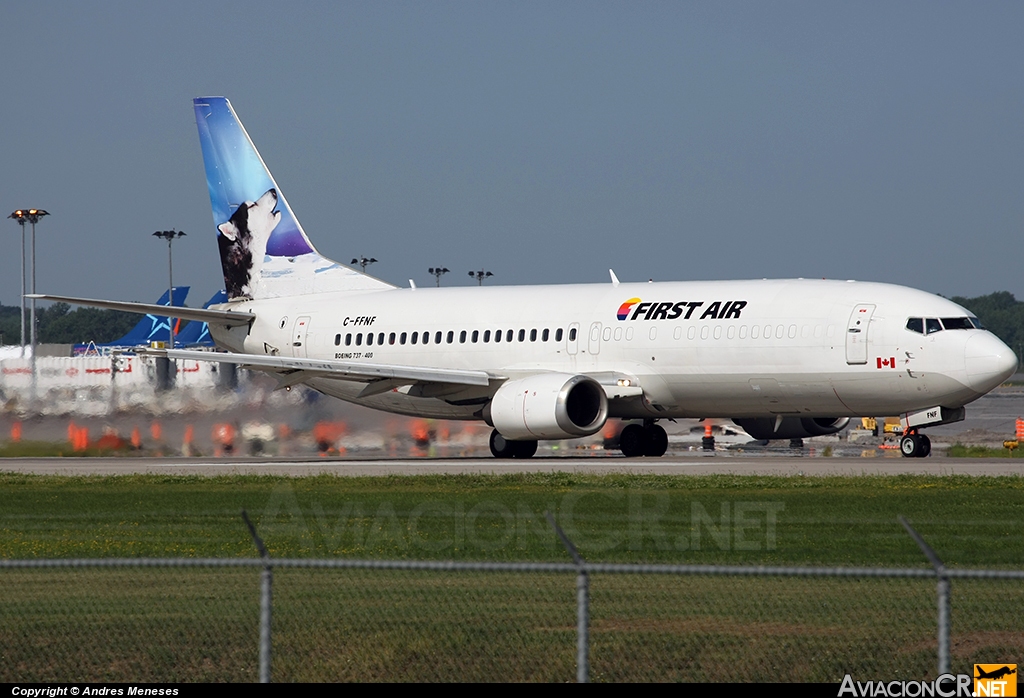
1000 312
58 324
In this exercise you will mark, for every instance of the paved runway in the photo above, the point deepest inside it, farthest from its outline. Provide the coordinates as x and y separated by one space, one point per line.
668 465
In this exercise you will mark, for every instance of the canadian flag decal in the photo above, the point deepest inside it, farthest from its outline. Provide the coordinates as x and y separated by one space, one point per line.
886 363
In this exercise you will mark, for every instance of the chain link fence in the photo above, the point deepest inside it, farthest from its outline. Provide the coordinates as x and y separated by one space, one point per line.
243 620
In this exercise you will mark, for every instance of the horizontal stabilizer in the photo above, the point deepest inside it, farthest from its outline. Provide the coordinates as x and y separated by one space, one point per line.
342 370
228 318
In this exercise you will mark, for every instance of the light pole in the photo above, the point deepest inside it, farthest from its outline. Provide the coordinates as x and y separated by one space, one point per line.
480 276
32 216
169 236
438 272
363 261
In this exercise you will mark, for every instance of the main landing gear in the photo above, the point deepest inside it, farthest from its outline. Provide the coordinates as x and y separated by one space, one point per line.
914 445
503 448
648 440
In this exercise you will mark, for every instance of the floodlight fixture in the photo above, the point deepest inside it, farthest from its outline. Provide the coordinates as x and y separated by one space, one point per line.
363 261
30 216
438 272
480 276
170 236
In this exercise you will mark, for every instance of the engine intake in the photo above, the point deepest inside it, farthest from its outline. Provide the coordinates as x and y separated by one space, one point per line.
548 406
763 428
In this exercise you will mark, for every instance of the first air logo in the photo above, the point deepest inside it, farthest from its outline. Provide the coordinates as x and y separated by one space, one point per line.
635 309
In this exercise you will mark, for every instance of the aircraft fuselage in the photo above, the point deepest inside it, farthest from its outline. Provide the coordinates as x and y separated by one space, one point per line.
800 347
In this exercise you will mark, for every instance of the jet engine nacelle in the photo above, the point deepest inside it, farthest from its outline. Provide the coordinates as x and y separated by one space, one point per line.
763 428
548 406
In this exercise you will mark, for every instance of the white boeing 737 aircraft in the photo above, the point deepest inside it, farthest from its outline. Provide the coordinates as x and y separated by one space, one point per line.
783 358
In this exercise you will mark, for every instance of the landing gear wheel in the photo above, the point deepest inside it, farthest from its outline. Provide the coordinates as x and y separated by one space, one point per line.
500 446
926 446
657 441
633 441
523 449
910 446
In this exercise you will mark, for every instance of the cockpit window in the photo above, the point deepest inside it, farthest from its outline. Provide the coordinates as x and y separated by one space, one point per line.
931 325
916 324
957 323
976 322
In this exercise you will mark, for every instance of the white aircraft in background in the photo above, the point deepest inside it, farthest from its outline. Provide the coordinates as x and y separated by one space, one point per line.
783 358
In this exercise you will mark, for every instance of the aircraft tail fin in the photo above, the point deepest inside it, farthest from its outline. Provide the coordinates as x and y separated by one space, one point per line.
197 334
264 251
151 328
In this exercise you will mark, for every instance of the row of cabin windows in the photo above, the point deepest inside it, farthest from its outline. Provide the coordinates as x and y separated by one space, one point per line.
441 337
608 333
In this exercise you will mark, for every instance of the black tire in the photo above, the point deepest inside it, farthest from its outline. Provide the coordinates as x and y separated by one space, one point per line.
910 446
633 441
926 446
500 446
523 449
657 441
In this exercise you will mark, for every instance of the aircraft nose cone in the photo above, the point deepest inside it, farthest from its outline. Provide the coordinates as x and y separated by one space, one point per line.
989 361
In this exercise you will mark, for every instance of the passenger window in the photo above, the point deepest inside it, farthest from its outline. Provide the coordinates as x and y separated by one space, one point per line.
337 340
475 337
348 339
380 338
437 338
916 324
544 336
391 338
369 338
533 335
558 335
414 337
359 339
451 336
508 336
572 335
497 335
487 336
462 337
522 335
931 326
401 339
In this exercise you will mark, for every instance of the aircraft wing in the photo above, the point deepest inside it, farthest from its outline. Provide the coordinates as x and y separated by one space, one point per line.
296 370
228 318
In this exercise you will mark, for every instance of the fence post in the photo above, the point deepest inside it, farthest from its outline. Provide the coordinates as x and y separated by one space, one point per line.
266 587
582 604
943 594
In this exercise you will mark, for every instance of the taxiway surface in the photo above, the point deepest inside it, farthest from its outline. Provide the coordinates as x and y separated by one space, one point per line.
668 465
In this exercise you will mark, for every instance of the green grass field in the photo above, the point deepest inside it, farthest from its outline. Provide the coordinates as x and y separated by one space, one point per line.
970 521
201 624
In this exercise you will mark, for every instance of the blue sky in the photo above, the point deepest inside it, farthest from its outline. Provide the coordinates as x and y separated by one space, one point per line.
544 142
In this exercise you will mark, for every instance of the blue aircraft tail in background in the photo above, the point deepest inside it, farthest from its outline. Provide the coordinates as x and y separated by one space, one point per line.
152 328
197 334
